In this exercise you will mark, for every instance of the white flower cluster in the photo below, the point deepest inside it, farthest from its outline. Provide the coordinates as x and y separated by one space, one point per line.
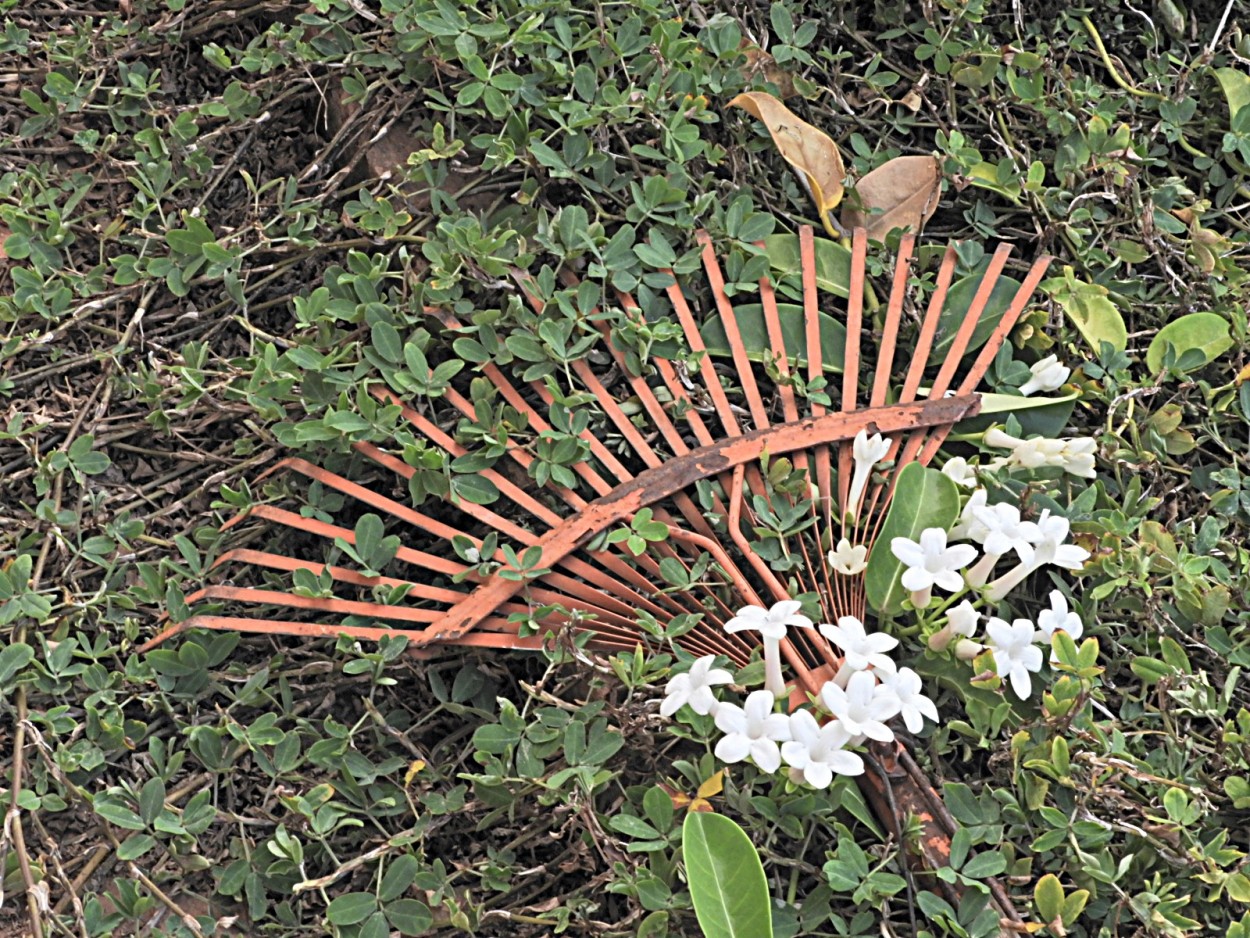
1013 645
868 691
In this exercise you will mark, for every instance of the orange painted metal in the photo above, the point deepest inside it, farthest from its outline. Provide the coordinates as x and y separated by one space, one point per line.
684 437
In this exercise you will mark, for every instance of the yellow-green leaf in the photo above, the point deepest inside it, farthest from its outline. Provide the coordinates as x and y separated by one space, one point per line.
1048 894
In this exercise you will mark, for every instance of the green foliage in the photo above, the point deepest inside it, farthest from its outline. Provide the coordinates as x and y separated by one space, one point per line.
198 273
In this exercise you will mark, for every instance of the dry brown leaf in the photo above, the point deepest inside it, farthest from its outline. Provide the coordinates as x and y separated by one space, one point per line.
902 193
760 62
809 150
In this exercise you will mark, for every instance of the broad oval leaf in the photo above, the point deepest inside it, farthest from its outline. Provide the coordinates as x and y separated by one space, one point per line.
901 193
923 498
808 149
833 261
726 878
754 332
959 300
351 908
1205 332
1236 87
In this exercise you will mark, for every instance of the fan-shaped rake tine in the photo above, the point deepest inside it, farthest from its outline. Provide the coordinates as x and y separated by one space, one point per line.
584 468
988 352
656 484
589 599
880 492
519 497
425 523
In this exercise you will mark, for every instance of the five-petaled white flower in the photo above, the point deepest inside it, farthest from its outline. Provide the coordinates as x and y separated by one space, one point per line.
771 624
1001 531
1056 618
1048 549
815 752
931 563
1015 655
848 559
909 689
860 650
752 730
863 707
1047 375
959 471
694 688
867 452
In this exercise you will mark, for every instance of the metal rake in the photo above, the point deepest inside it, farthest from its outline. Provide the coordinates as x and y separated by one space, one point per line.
695 462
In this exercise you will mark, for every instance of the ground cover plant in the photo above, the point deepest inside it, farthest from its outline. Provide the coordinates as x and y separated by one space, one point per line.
207 211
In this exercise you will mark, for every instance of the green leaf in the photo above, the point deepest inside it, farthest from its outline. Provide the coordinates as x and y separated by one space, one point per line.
923 498
726 878
754 332
1048 894
13 658
399 876
1087 305
955 309
152 799
474 489
134 847
118 815
1205 332
632 826
833 261
1236 86
984 865
351 908
387 341
409 917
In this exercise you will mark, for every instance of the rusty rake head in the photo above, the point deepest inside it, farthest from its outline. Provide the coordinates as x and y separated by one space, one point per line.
694 459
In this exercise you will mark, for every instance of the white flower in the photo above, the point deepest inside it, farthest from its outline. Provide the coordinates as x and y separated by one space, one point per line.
1074 456
815 752
909 689
867 452
860 650
752 730
1001 531
1048 375
1057 617
961 622
1049 549
694 688
771 624
1015 655
863 707
931 563
968 528
958 470
849 559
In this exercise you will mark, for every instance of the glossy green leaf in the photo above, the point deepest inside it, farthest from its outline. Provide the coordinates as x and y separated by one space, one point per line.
923 498
1205 332
833 261
955 309
754 332
726 878
1236 87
